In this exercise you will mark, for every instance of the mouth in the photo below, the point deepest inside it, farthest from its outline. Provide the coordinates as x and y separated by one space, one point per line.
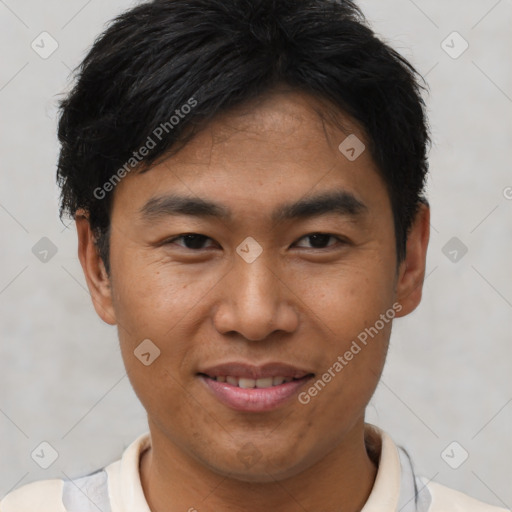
246 383
254 389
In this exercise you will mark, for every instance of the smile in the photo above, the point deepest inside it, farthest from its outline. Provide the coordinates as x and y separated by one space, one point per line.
242 382
254 395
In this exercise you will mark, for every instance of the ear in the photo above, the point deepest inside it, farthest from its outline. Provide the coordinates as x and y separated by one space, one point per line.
96 276
411 272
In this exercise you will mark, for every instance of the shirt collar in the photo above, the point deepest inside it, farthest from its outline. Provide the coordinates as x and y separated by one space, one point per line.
125 487
386 489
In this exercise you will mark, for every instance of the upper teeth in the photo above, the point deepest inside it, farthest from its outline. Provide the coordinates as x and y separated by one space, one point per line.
242 382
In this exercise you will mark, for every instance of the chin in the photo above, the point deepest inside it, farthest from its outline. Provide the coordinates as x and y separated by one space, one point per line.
256 472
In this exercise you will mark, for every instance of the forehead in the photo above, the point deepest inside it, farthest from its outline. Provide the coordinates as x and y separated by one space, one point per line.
282 145
290 125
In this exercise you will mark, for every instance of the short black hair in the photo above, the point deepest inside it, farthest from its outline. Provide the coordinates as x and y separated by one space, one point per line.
170 66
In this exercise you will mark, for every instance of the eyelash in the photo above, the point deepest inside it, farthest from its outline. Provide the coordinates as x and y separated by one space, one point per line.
340 240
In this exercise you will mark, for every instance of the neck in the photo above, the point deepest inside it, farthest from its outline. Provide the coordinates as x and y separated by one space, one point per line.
175 482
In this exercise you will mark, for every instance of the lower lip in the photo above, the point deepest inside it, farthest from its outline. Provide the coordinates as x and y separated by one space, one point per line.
254 399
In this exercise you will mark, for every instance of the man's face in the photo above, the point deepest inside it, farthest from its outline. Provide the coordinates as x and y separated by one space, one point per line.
213 299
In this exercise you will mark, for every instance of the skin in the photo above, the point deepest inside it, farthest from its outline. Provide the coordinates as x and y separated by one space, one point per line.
295 303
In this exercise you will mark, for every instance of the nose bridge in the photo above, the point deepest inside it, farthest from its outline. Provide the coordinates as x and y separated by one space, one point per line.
255 286
254 302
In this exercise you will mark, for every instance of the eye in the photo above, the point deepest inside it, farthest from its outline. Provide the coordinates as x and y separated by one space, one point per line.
321 240
191 241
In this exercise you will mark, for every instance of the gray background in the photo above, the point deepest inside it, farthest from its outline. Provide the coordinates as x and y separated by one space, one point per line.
448 374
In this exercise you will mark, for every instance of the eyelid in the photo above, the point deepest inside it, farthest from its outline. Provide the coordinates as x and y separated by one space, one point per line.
170 241
341 240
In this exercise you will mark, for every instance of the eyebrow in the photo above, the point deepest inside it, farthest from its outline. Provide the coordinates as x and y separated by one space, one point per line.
340 202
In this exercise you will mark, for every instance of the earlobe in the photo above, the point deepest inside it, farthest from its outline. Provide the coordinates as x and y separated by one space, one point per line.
95 274
411 272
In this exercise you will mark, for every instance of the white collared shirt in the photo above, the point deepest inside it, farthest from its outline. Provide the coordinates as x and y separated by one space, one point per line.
117 487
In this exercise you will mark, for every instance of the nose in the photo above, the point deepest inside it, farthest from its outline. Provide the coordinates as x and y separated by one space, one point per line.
255 301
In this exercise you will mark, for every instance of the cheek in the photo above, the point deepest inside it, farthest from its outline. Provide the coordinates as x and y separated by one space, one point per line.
156 301
346 298
345 307
156 295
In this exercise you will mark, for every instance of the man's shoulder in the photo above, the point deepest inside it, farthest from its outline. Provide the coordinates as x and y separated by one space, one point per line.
446 499
39 496
100 490
85 493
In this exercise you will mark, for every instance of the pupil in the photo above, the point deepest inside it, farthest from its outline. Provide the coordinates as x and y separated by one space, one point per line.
194 241
319 240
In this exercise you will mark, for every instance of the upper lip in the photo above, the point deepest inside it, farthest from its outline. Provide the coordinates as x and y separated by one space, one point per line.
249 371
